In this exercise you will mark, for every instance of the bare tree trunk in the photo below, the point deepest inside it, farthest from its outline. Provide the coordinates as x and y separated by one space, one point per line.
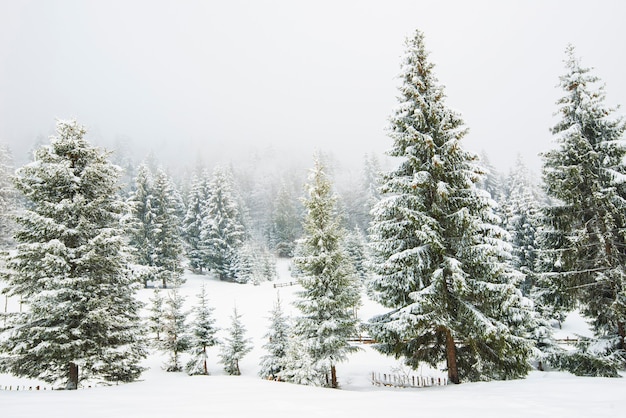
72 383
453 371
622 333
333 377
206 369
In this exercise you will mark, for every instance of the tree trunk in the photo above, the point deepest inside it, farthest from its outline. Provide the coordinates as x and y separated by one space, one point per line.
72 383
333 377
206 369
453 371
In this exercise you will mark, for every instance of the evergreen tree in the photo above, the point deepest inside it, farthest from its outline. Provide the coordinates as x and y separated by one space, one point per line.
491 180
331 290
359 197
192 223
440 260
236 345
286 226
254 263
247 266
143 226
584 233
156 316
203 332
70 268
223 231
356 248
522 214
168 246
273 363
8 201
299 367
175 338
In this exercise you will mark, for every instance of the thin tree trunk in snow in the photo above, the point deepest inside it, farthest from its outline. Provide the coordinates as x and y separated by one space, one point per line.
453 371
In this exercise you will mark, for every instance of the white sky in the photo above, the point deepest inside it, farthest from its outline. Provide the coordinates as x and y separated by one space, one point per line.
207 78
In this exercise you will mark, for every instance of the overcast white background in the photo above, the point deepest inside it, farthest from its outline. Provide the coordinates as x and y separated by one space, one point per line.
212 79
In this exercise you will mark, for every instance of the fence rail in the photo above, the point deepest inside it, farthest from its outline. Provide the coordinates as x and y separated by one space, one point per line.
407 381
24 388
285 284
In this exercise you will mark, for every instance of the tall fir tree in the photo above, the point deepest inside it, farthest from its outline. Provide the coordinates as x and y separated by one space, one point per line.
70 268
440 260
355 244
202 335
522 213
491 180
285 226
175 336
192 222
143 226
168 244
223 232
585 248
236 346
278 334
8 201
521 209
331 289
359 197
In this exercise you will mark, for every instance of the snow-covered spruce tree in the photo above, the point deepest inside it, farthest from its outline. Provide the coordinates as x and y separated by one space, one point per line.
491 180
285 227
299 367
70 268
156 316
522 213
8 201
202 335
192 223
273 363
359 197
585 228
247 267
331 289
222 232
142 226
168 244
254 263
522 218
175 337
236 345
355 245
440 261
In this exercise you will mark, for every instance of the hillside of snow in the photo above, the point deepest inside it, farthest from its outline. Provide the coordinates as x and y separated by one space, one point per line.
162 394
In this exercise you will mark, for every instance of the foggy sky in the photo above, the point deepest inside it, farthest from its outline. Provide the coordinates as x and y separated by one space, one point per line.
212 79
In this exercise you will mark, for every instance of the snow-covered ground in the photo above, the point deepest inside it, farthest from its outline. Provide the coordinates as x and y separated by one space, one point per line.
162 394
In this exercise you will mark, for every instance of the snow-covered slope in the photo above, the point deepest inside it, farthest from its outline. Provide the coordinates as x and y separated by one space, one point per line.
162 394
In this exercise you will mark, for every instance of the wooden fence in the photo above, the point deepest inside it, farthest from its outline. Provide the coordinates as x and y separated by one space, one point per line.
407 381
285 284
24 388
